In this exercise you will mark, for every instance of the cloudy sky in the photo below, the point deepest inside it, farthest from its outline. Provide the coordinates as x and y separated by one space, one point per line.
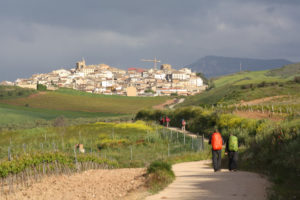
42 35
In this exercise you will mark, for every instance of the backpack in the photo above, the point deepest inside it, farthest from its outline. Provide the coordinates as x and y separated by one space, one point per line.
216 141
233 143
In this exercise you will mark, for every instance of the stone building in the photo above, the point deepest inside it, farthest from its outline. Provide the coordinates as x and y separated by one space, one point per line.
167 67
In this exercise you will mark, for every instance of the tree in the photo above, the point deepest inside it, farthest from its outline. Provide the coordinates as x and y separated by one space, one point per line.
41 87
205 80
297 79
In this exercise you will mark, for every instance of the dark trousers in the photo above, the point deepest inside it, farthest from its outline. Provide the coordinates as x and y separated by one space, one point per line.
216 158
233 160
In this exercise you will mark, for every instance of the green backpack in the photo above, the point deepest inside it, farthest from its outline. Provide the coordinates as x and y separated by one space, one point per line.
233 143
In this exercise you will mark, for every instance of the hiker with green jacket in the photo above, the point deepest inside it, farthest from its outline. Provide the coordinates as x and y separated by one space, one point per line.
231 149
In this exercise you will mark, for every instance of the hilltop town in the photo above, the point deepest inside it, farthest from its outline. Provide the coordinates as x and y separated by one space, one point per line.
103 79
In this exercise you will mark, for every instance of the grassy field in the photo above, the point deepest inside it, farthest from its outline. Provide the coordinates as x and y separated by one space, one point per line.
73 101
246 86
26 108
23 117
246 78
8 92
123 142
283 74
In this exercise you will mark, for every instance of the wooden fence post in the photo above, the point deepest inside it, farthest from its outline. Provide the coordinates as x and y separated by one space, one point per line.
9 154
202 142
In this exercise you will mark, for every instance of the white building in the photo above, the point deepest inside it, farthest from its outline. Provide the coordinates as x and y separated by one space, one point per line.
160 76
196 82
61 72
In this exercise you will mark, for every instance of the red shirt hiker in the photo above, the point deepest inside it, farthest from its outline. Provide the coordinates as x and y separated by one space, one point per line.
168 121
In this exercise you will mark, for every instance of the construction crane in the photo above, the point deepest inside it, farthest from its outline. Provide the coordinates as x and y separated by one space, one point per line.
154 61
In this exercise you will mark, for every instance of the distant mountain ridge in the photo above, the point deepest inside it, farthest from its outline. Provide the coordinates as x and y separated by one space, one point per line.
213 66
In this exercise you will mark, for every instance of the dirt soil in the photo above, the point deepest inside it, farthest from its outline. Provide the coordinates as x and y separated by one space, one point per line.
163 105
262 100
92 184
197 181
194 181
259 115
36 94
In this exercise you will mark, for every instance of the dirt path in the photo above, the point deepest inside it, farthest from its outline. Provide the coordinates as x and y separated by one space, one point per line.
163 105
196 181
176 103
92 184
259 115
184 132
171 103
261 100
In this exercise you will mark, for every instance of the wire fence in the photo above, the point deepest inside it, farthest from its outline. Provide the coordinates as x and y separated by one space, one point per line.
158 144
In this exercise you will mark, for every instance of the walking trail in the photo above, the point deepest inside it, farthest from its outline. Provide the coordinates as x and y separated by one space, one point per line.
197 180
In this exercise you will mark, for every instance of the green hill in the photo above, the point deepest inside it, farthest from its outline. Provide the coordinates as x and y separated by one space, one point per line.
248 86
213 66
40 107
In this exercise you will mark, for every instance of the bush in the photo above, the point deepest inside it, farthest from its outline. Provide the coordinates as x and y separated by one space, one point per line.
297 79
159 165
262 84
41 87
112 143
159 175
13 91
59 121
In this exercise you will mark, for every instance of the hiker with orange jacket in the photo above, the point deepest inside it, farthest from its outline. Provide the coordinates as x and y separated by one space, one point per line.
216 142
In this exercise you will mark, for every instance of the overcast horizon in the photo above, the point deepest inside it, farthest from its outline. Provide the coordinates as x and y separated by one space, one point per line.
39 36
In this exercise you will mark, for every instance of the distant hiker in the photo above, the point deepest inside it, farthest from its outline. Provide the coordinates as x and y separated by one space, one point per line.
161 121
168 121
216 142
183 123
231 149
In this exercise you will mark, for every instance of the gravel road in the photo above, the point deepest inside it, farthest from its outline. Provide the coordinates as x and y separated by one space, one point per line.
196 181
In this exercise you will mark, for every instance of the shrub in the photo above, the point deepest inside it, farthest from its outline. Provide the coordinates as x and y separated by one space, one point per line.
159 165
297 79
262 84
159 175
112 143
60 121
41 87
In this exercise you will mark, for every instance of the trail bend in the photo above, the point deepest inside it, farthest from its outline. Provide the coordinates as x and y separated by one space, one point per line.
197 180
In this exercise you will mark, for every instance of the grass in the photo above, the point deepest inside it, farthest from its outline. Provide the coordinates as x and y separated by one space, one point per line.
9 92
247 77
146 142
232 92
160 175
282 187
26 117
248 86
286 71
282 74
77 101
39 109
145 145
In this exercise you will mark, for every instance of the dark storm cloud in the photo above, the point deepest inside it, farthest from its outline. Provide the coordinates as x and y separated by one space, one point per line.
39 35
